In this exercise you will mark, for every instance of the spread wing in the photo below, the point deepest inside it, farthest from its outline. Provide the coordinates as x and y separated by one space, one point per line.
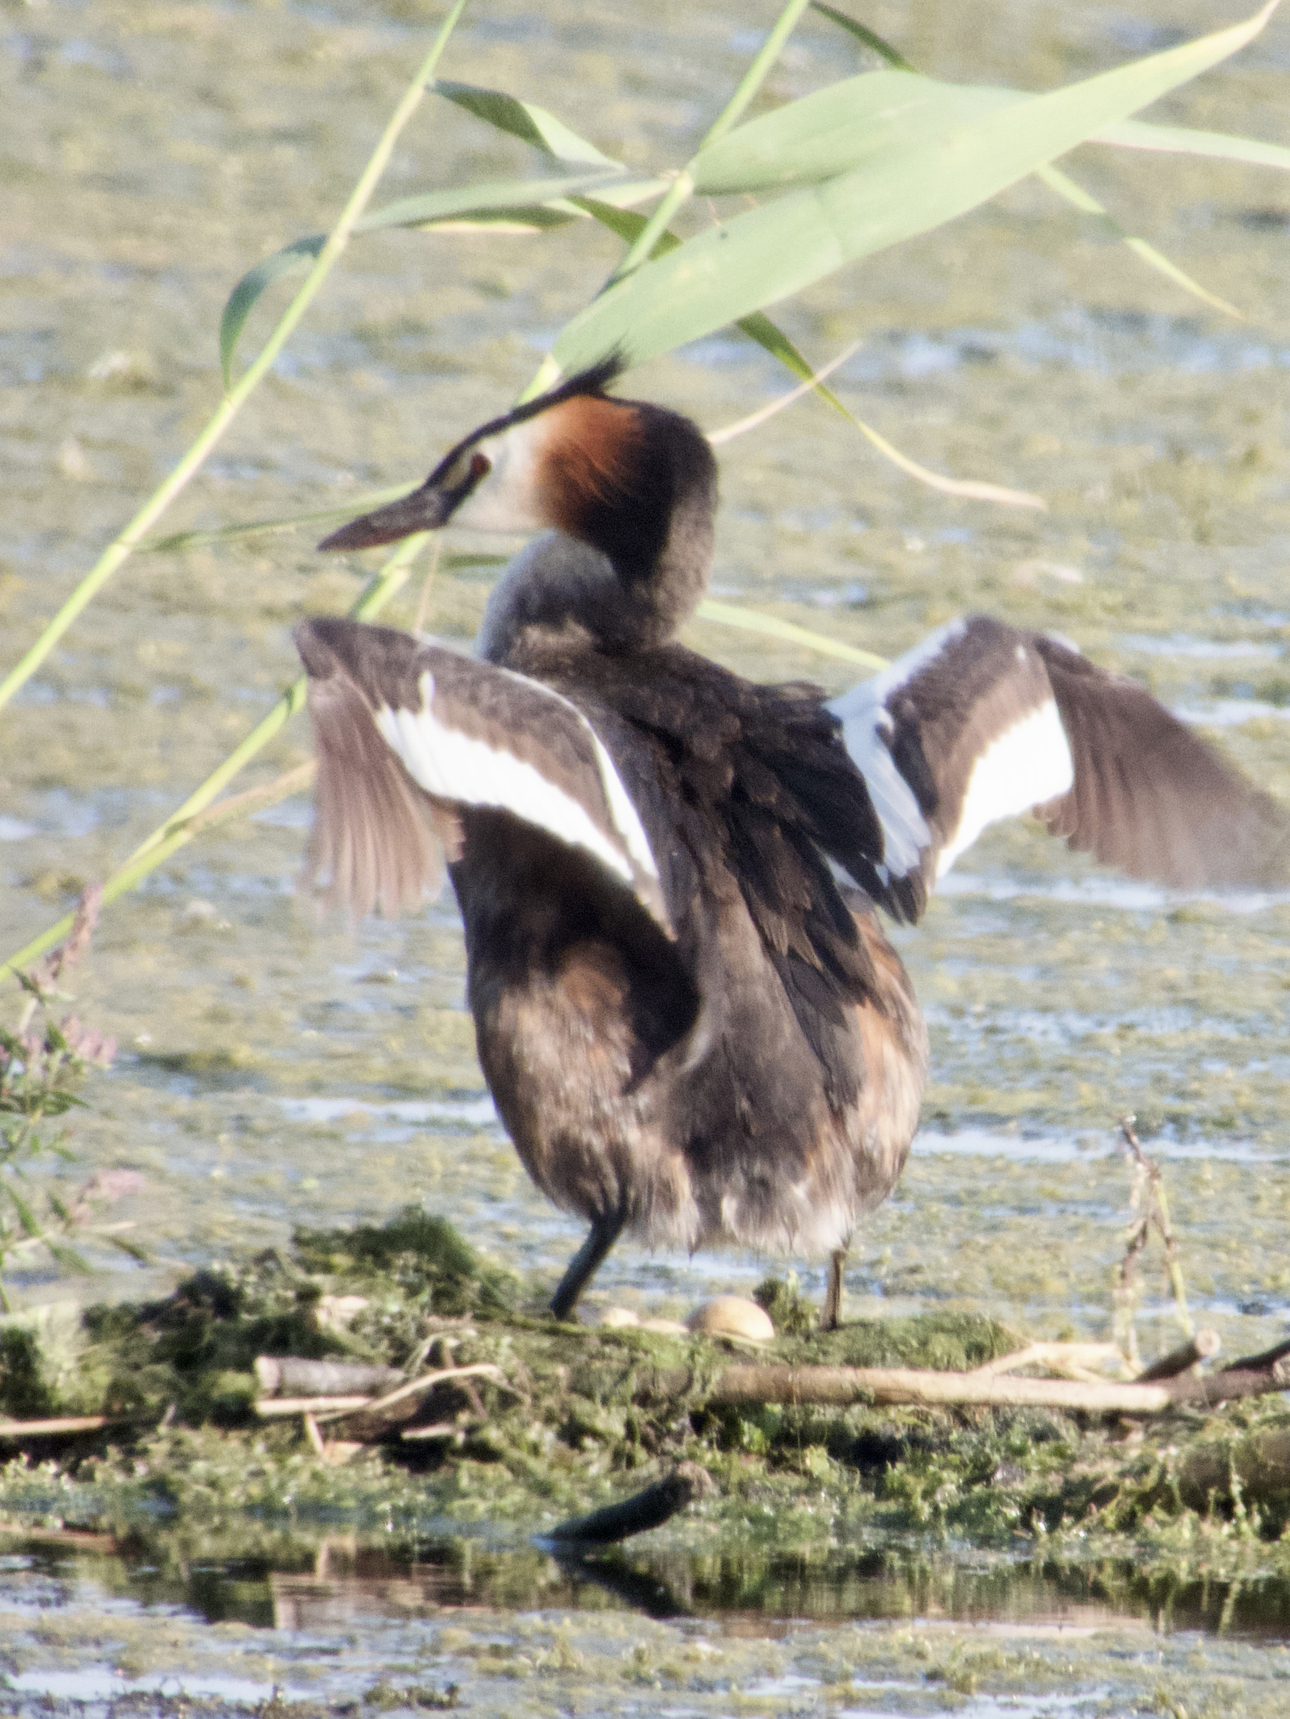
983 721
408 734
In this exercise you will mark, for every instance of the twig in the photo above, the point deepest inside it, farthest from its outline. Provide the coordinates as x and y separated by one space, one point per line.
640 1512
415 1387
273 1408
1075 1360
1158 1214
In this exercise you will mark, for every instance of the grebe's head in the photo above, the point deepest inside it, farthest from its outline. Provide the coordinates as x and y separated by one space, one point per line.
611 473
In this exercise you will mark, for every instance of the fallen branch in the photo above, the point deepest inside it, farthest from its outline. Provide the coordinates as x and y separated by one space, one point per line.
642 1511
1202 1347
323 1410
18 1430
842 1387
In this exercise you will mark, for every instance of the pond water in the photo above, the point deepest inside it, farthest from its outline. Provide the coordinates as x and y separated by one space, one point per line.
276 1071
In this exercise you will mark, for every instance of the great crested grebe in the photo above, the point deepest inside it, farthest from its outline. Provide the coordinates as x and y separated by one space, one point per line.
691 1022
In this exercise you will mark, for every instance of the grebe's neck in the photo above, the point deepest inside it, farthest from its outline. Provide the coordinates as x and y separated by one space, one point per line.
556 594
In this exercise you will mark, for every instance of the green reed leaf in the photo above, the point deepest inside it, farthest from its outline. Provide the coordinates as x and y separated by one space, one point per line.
863 34
925 176
511 202
1129 133
527 121
1182 140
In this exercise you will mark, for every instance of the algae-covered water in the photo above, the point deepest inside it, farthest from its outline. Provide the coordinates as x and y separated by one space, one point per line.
276 1072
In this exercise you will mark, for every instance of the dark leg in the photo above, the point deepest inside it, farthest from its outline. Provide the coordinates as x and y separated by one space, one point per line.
831 1318
604 1233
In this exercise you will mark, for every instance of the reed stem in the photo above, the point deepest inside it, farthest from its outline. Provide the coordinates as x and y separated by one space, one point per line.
643 245
121 547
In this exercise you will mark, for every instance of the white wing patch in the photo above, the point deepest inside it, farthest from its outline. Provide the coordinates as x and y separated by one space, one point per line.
458 767
621 810
1023 767
865 727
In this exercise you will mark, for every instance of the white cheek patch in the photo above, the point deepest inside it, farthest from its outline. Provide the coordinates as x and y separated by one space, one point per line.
1023 767
508 497
469 771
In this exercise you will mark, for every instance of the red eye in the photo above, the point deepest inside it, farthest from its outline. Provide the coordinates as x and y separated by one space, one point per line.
479 467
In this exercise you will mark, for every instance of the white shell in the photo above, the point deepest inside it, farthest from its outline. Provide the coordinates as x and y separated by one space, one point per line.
624 1319
618 1318
732 1316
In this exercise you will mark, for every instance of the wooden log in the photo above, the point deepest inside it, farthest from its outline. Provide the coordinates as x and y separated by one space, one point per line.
1202 1347
294 1376
642 1511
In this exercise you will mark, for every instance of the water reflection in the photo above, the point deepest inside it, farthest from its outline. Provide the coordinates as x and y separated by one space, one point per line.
342 1583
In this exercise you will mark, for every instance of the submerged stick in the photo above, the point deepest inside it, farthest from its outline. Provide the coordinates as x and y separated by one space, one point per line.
642 1511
